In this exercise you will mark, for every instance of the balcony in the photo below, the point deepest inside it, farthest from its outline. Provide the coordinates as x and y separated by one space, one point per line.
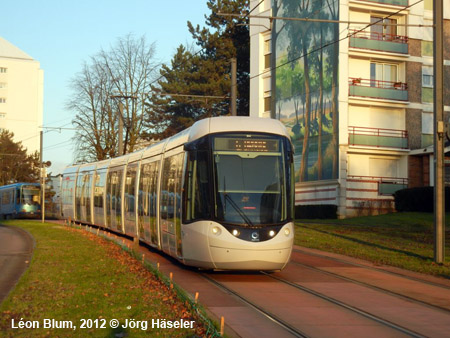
386 185
378 137
378 89
403 3
379 42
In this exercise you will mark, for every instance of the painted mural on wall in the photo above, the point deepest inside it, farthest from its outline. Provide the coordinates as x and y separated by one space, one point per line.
305 69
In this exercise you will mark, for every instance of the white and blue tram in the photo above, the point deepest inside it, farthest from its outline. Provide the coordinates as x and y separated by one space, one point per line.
218 195
20 200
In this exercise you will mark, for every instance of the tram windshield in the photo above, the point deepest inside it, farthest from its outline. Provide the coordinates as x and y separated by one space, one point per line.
29 195
250 179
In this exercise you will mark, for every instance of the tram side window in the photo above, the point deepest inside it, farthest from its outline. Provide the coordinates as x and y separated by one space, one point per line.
6 197
197 198
130 184
98 190
167 188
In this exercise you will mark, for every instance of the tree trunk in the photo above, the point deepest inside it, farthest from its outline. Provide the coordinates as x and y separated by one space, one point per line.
307 118
319 148
334 104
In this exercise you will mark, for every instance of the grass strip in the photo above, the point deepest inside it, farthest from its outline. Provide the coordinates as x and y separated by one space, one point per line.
76 276
211 327
404 240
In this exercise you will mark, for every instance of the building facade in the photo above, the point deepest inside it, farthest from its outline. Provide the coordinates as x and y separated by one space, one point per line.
21 95
356 96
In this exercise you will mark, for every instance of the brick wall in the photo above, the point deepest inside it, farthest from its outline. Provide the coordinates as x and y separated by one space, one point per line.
418 171
414 81
414 127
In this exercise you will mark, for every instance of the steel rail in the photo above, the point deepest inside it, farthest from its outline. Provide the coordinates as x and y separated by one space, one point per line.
348 307
374 269
295 332
374 287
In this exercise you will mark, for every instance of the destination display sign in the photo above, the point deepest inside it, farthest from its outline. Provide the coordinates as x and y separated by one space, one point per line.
246 144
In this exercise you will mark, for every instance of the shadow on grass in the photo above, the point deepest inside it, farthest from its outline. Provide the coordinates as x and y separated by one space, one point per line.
118 332
359 241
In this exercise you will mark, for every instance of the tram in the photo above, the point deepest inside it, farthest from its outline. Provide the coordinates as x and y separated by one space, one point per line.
20 200
218 195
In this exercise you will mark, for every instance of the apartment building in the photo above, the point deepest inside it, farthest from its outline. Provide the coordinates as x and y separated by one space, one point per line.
356 96
21 95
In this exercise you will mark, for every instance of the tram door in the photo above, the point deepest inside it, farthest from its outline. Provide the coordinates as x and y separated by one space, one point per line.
85 199
114 199
130 200
170 204
147 202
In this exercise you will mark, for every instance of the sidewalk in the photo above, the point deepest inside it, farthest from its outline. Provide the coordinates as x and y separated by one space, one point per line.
16 250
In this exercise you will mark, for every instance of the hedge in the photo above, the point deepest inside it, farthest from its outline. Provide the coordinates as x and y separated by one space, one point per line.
418 199
316 211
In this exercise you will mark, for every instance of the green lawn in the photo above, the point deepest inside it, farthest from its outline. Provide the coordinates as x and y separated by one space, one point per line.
404 240
75 275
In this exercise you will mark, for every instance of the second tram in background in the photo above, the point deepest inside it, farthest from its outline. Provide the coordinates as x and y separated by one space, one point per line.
20 200
218 195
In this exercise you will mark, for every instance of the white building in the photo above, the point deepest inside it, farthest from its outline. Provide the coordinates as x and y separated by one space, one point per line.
356 98
21 95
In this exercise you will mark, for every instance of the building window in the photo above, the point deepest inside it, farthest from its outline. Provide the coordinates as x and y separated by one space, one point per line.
267 52
382 74
2 100
383 167
427 84
2 115
427 48
427 76
267 103
384 29
3 69
2 85
427 129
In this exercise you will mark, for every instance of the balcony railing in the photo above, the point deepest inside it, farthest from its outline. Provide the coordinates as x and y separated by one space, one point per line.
386 185
378 137
378 89
391 2
378 41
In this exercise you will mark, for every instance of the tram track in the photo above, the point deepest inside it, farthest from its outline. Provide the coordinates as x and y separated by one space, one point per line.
373 287
389 272
234 284
347 306
291 329
296 331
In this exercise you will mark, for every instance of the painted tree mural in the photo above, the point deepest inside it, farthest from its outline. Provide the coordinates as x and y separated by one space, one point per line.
306 77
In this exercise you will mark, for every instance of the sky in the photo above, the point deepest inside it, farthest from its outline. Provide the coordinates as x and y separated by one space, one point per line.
63 34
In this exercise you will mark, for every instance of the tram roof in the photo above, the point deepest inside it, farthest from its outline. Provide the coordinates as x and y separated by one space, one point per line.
199 129
236 124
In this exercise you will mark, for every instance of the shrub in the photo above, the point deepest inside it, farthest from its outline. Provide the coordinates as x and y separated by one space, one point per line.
418 199
316 211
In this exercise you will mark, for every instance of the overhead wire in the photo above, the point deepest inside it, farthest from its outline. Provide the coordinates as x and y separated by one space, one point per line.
335 41
246 16
252 77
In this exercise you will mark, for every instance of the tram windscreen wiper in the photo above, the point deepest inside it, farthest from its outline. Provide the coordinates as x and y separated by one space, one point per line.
233 204
240 212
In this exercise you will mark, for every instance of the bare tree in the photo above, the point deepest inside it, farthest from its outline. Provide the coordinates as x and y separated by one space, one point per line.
123 75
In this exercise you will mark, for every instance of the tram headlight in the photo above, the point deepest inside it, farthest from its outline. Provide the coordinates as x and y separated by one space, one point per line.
235 232
216 230
272 233
287 232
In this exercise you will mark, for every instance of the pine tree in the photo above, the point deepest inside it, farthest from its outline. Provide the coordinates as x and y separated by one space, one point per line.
15 164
